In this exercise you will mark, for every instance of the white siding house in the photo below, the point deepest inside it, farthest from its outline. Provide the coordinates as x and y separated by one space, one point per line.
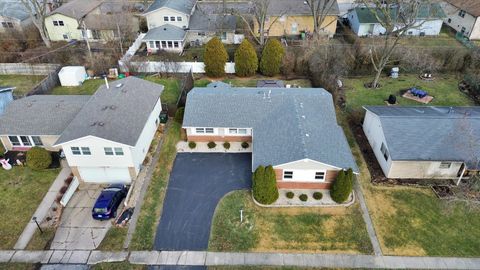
463 16
364 23
423 142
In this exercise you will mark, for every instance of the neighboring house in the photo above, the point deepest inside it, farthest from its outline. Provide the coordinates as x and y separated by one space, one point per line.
6 97
428 22
105 137
13 16
291 17
165 37
173 12
294 130
93 19
424 142
38 120
463 16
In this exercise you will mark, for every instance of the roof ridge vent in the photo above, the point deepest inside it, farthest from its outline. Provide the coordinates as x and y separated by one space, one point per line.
101 124
93 124
113 107
119 85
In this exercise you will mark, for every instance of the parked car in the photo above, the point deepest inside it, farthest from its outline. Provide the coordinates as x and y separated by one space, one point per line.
107 203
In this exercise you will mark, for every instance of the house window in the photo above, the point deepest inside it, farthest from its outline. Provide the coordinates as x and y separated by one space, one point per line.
445 165
172 18
294 28
108 151
151 44
209 130
463 30
179 19
14 140
320 176
201 34
7 24
85 151
165 18
199 130
462 13
65 36
242 131
118 151
224 35
164 44
410 33
157 44
384 151
25 141
58 23
449 20
76 151
37 141
170 44
175 44
232 131
287 175
204 130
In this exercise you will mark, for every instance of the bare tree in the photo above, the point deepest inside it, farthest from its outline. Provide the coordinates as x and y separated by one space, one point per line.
396 17
320 10
259 12
37 11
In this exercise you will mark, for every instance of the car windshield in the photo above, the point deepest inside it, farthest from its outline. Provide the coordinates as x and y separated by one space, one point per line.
112 189
100 210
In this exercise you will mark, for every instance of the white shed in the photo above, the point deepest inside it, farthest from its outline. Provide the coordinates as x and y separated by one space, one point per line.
72 75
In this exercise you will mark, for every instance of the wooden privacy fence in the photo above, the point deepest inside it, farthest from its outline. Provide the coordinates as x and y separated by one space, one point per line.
27 69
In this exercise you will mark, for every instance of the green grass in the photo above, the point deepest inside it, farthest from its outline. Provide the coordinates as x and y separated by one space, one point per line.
201 82
23 83
153 203
114 239
117 266
291 229
41 241
87 88
21 190
19 266
172 88
444 89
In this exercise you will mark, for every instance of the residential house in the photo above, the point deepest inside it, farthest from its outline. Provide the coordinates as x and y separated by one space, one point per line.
291 17
294 130
165 37
424 142
13 16
363 21
96 20
105 137
463 16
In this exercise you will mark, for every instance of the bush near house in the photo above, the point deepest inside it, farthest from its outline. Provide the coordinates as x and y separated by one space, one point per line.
211 145
342 187
215 57
264 187
272 56
38 158
290 195
245 145
317 195
246 60
192 145
226 145
303 197
179 114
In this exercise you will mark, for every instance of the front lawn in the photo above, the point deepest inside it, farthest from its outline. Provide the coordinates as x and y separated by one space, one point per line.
87 88
153 202
286 229
444 89
21 190
23 83
114 239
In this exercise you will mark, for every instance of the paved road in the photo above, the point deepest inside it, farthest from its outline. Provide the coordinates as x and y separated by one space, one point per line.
197 183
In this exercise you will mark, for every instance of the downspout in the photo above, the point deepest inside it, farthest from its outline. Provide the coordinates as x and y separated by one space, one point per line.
461 175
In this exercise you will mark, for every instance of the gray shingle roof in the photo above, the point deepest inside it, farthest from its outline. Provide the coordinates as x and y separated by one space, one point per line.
123 111
431 133
77 9
13 9
165 32
184 6
201 21
40 115
296 7
292 124
433 11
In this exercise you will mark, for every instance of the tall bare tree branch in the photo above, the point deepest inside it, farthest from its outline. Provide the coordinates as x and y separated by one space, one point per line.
37 10
320 10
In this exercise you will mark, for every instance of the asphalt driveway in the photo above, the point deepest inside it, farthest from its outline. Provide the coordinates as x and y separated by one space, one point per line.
197 183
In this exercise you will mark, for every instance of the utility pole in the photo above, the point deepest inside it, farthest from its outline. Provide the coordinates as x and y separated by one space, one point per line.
85 36
120 37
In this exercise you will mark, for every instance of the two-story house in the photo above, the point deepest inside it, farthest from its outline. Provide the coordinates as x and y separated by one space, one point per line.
463 16
13 16
105 137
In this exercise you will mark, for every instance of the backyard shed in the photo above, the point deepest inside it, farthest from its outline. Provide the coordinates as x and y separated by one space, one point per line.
72 75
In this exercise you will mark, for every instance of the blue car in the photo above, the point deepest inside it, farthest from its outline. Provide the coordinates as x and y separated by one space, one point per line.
107 203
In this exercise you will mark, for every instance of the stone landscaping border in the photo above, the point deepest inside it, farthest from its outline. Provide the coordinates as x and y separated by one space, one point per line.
350 202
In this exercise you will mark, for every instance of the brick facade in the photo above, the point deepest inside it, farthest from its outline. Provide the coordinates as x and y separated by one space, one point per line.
329 178
217 138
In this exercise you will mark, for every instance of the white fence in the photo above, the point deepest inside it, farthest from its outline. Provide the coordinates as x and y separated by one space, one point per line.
175 67
69 193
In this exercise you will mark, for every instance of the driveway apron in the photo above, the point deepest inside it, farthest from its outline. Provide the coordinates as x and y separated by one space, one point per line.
197 183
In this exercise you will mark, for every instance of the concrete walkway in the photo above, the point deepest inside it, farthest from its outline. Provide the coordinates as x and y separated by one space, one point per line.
368 220
202 258
43 208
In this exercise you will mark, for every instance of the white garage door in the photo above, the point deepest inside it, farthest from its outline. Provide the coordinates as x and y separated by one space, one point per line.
104 175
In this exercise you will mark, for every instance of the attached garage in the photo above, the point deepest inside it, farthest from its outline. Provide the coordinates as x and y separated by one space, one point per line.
104 174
